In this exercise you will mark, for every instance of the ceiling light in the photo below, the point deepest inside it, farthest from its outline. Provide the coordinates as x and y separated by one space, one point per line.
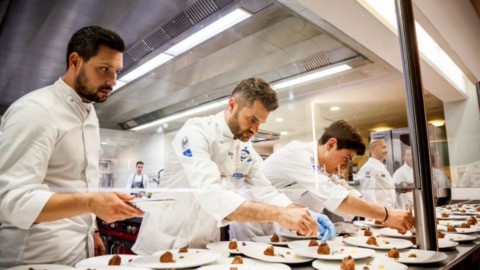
279 119
147 67
284 133
437 123
334 108
430 51
310 76
104 143
182 114
379 129
220 25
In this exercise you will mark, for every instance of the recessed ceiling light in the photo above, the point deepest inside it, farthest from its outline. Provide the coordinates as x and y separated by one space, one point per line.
284 132
378 129
437 123
279 119
334 108
104 143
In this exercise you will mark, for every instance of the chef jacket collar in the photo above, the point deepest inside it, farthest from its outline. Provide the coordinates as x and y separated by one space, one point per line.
224 128
70 93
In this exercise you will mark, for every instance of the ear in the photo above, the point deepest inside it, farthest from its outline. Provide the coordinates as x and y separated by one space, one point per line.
231 104
332 144
73 60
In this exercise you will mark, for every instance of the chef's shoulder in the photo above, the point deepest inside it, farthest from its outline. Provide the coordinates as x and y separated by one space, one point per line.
202 126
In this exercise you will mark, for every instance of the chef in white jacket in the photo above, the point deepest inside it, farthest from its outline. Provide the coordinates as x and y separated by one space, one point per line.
49 147
209 167
308 174
403 178
376 184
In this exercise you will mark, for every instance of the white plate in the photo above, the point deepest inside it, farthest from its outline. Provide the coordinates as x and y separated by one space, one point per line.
293 234
373 264
287 258
361 241
459 237
367 222
452 217
451 222
266 239
222 246
101 261
114 267
472 229
336 253
446 243
194 257
237 266
423 256
304 243
40 267
251 263
394 233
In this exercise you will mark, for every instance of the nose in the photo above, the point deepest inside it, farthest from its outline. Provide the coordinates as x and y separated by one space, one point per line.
254 128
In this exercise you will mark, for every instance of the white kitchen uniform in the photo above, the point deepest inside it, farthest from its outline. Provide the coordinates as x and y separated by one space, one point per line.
292 171
49 143
137 183
471 176
206 171
403 177
376 184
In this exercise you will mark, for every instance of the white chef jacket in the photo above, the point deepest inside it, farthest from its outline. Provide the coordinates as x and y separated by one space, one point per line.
376 184
403 176
471 177
49 143
292 171
206 172
136 179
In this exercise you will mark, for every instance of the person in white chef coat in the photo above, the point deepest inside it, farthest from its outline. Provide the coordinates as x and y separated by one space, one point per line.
49 147
137 182
376 183
308 174
209 167
403 178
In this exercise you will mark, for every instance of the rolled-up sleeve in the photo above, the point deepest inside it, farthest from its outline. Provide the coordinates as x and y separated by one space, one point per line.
26 142
192 148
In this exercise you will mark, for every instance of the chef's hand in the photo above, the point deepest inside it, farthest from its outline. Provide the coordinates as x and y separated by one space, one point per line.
299 219
112 206
325 226
401 220
98 245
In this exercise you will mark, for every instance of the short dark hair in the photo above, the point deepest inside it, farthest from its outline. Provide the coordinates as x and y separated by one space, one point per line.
346 135
139 162
87 40
251 89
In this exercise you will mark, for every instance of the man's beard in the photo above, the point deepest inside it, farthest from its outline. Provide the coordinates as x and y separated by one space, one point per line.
233 124
81 86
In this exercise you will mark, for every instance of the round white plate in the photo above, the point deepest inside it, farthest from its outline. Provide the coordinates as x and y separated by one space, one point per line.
222 246
293 234
266 239
446 243
372 264
304 243
237 266
394 233
40 267
451 222
336 253
459 237
114 267
251 262
101 261
472 229
423 256
383 242
452 217
281 255
367 222
194 257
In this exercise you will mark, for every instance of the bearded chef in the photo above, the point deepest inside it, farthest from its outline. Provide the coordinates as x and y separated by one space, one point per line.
376 184
307 172
210 165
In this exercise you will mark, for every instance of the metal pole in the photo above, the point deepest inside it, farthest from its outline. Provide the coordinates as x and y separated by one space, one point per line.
417 123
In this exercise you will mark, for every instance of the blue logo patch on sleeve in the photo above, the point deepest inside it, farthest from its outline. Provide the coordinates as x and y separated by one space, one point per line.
245 154
187 153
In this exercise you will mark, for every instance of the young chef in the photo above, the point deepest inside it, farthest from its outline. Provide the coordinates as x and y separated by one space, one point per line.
210 164
310 181
50 143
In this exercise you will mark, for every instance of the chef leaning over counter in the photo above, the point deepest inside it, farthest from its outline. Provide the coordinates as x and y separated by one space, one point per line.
293 170
210 167
49 163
